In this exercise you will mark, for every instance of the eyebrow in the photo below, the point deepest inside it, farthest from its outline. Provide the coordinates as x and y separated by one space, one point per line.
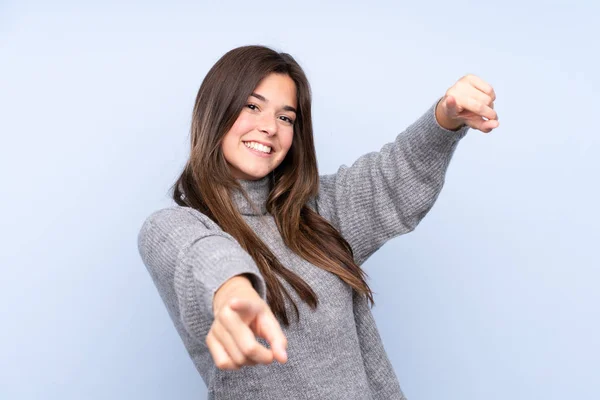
262 98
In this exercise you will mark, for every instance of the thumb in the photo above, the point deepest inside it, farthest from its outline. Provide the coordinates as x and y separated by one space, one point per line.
451 107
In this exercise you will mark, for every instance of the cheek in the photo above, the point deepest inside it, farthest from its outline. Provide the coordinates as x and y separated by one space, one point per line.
242 126
286 140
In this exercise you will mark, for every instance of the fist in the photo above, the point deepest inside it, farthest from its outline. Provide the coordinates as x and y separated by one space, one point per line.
470 101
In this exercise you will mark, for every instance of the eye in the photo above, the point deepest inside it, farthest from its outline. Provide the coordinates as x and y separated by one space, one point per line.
287 119
251 106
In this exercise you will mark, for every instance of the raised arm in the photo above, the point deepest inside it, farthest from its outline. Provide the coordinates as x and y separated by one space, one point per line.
387 193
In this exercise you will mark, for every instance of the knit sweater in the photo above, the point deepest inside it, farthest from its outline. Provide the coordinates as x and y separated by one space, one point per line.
334 351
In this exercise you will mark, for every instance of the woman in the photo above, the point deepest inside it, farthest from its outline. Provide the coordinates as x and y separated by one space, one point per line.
259 262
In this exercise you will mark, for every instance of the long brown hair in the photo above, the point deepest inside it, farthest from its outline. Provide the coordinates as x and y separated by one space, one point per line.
206 182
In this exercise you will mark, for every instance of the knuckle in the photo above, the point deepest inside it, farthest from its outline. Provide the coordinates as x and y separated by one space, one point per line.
225 314
211 338
222 363
239 359
249 348
231 301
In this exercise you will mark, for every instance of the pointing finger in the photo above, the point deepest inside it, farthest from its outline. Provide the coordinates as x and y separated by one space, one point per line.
482 85
480 109
269 328
245 341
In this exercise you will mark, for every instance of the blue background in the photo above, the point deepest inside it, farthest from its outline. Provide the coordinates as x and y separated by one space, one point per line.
493 296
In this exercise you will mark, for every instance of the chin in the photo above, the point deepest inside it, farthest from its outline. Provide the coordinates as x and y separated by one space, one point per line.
257 177
249 175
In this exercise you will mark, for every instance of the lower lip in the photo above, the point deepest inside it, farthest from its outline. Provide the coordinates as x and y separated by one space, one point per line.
258 153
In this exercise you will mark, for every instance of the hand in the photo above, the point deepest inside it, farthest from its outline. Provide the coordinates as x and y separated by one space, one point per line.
469 102
240 315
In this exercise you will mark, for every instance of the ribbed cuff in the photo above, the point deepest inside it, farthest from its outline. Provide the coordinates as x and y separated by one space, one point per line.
429 122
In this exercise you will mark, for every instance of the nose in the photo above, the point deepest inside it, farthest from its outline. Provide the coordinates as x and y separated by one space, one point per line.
268 125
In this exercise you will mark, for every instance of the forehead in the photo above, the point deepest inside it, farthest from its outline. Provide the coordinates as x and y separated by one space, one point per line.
278 88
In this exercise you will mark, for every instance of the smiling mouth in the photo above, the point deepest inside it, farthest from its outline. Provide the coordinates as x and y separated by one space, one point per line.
256 150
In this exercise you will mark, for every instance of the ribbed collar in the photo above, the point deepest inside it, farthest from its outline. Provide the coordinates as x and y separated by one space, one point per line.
258 191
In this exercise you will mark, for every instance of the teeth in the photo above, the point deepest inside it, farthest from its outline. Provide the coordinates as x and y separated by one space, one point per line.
258 146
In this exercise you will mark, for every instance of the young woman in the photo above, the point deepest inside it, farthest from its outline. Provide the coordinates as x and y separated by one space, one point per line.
259 261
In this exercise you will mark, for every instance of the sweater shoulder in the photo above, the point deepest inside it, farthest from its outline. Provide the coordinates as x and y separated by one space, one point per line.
174 227
176 217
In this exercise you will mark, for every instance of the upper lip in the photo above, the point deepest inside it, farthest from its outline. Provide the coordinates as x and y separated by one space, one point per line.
261 142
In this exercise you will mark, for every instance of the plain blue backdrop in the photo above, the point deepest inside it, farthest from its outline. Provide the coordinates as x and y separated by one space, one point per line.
493 296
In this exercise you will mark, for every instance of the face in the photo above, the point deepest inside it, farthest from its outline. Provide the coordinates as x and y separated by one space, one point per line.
261 136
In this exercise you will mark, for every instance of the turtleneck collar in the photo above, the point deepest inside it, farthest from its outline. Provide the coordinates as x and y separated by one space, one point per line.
258 191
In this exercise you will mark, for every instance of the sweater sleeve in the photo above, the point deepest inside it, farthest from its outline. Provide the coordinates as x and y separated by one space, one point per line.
189 257
386 193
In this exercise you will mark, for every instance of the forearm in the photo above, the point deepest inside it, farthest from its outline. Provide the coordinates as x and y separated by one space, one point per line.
386 193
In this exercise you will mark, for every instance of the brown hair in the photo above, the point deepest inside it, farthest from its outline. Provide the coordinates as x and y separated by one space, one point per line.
206 181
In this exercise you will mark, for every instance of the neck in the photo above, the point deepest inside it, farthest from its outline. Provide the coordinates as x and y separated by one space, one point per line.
257 191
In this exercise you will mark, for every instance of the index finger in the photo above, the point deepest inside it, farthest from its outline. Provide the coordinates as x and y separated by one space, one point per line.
269 328
482 85
244 339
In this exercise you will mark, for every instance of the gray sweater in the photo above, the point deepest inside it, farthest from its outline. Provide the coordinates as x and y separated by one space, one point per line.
335 351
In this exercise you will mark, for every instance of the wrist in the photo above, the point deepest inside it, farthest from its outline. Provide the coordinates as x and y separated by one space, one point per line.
445 122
